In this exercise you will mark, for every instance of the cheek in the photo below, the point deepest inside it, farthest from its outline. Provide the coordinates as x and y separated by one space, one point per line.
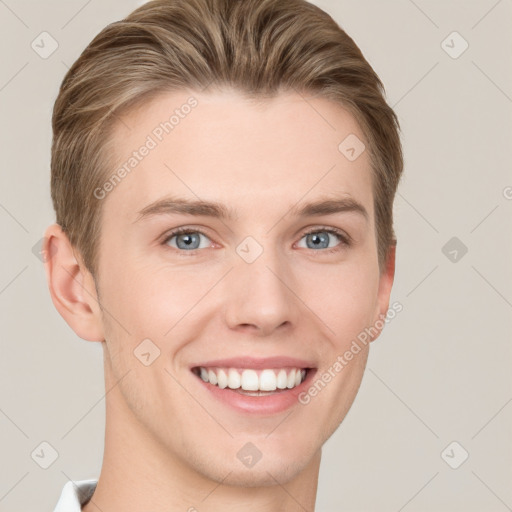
345 300
152 300
164 305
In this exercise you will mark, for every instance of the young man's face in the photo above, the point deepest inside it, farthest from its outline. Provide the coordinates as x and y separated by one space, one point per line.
254 291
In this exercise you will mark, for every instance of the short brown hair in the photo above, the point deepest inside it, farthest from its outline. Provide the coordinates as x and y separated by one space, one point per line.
259 47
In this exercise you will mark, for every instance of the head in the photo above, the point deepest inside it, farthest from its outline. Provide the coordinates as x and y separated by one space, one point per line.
248 107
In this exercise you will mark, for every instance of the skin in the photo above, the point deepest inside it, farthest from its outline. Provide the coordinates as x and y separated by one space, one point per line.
168 444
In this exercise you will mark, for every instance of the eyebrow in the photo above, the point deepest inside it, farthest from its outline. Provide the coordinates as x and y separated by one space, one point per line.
170 205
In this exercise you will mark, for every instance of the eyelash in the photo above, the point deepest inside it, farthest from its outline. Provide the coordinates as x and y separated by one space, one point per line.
345 240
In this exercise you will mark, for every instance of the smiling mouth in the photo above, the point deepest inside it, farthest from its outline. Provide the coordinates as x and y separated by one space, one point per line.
252 382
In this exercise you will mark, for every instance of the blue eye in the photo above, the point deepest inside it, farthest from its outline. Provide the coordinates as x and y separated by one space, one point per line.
319 238
186 239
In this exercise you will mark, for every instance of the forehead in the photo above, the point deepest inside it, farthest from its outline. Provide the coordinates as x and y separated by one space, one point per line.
223 147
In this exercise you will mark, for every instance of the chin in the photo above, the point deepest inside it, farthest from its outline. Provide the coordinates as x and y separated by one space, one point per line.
263 475
271 469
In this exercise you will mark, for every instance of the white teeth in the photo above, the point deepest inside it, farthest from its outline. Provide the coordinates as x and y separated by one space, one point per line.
268 380
212 377
282 379
251 380
291 380
233 379
222 379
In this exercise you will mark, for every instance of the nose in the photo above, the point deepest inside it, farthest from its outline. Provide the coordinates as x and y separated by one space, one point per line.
259 296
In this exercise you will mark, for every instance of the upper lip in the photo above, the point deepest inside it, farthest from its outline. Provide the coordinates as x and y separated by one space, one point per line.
256 363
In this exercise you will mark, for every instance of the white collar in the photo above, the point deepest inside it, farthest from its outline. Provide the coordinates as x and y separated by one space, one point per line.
75 494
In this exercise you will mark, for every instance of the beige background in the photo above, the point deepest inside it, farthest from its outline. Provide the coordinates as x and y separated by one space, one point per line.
441 370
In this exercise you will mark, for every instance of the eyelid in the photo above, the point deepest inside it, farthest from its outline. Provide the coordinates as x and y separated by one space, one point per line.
330 229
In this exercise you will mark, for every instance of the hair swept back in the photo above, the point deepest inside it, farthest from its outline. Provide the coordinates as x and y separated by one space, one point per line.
260 47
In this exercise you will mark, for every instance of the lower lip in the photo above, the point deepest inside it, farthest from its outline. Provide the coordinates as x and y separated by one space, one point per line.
273 403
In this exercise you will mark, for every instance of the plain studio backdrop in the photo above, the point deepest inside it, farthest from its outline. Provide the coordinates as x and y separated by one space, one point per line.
431 427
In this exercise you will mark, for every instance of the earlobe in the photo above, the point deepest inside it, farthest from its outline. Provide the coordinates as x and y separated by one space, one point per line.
71 286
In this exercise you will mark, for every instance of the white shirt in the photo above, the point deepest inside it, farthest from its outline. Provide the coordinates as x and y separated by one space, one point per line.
74 495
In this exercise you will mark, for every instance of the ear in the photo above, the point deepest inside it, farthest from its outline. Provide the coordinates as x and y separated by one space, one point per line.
71 286
387 276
